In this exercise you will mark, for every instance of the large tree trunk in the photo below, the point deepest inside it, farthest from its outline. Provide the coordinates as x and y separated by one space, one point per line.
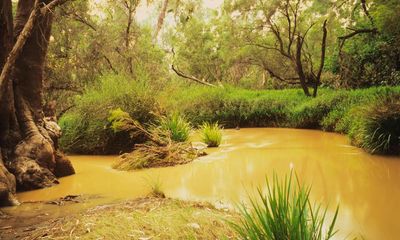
29 149
7 180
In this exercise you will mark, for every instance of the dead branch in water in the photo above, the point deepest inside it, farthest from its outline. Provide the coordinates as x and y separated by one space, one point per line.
152 155
159 151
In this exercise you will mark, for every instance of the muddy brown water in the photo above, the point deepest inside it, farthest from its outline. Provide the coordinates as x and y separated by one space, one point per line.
366 186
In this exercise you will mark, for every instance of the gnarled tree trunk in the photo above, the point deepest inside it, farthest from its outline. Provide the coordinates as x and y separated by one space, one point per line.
30 159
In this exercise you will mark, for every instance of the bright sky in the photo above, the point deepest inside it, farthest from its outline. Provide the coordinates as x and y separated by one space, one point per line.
213 4
148 14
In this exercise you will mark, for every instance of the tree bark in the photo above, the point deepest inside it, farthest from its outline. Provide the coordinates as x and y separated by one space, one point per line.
317 81
29 150
7 180
161 19
299 66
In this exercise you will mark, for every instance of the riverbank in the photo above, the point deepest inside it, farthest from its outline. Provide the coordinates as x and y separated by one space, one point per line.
368 116
142 218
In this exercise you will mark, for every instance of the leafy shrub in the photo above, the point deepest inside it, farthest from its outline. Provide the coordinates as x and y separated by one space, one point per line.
178 128
284 212
211 134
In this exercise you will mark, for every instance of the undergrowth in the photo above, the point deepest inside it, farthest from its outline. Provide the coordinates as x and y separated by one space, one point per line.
86 129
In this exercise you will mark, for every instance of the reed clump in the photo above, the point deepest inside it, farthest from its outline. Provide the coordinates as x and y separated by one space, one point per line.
284 211
211 134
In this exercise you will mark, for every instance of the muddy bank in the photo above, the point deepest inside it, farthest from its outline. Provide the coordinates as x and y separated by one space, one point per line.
19 221
143 218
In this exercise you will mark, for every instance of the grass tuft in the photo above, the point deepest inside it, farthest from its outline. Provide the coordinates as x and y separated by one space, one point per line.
156 188
378 128
284 212
211 134
177 126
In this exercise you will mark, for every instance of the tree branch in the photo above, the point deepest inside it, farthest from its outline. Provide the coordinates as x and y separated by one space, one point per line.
50 6
18 47
355 32
365 9
183 75
322 63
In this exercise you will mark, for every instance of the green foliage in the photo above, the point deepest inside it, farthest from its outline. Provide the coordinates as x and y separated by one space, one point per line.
371 59
232 107
285 211
211 134
118 120
311 113
90 40
86 126
89 127
378 127
176 126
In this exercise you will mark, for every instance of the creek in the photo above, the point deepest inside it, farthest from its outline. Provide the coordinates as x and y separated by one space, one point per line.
366 186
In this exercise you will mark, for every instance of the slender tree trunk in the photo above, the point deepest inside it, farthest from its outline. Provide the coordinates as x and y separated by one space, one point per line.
161 19
29 150
299 66
322 63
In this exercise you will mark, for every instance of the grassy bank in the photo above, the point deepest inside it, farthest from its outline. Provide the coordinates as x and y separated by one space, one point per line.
283 211
145 218
358 113
370 117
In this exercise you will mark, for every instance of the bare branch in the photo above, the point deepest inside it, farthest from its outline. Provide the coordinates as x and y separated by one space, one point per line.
343 39
183 75
50 6
79 18
365 9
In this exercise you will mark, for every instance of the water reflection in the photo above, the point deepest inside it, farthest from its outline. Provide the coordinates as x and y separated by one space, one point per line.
366 186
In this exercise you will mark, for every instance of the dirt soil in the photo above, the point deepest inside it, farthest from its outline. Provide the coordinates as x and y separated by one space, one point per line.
143 218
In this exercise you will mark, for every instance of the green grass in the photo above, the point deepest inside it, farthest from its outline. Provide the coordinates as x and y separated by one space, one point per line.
332 110
378 127
211 134
145 218
177 126
284 212
86 129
